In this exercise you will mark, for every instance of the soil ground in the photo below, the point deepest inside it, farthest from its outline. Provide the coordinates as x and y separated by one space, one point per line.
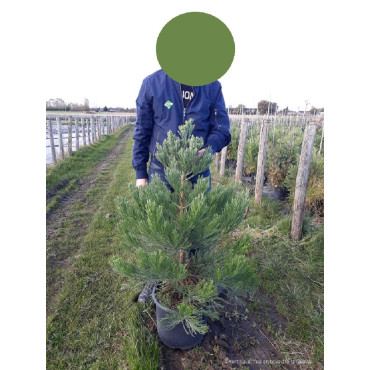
239 339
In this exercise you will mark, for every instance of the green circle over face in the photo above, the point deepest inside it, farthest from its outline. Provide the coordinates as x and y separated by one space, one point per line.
195 48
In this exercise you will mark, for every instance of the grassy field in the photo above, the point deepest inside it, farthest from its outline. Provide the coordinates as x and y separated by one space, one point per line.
93 320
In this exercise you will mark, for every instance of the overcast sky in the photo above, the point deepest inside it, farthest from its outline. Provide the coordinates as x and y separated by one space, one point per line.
102 51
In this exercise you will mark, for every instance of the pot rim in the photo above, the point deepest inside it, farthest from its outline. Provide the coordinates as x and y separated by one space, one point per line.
156 300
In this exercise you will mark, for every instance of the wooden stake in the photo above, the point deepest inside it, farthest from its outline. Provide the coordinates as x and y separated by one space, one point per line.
99 126
83 131
51 139
217 161
241 150
260 176
322 136
223 161
93 130
77 134
60 134
69 136
302 179
88 125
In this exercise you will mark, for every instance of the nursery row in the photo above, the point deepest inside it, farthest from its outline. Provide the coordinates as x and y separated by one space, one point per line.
284 144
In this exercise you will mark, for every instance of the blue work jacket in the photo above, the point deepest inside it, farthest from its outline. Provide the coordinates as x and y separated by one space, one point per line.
160 108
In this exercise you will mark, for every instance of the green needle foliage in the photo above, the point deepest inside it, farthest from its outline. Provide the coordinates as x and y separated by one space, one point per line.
160 228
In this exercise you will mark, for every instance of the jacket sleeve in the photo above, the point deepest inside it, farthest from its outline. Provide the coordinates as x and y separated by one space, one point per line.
143 131
219 133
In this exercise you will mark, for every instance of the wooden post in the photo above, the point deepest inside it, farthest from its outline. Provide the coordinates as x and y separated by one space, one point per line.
92 130
260 176
88 126
322 136
69 136
302 179
223 161
217 161
103 125
241 150
51 139
99 126
96 131
60 134
83 130
77 134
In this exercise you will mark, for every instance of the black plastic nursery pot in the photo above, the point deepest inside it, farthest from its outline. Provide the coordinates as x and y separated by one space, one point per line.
175 338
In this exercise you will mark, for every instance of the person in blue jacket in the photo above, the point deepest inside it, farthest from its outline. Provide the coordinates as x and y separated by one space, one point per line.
163 104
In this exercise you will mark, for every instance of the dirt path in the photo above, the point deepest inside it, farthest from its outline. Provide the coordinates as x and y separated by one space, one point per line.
67 224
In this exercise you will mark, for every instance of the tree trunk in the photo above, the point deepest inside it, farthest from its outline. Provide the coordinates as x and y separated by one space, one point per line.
51 139
302 180
60 134
241 151
223 161
260 177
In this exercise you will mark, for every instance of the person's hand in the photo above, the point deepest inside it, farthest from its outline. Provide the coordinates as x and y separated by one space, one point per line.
141 182
200 152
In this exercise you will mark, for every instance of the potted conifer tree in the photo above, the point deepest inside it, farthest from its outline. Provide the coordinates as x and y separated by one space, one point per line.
173 241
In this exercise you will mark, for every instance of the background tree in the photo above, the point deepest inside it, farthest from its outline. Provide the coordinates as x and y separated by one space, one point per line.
264 106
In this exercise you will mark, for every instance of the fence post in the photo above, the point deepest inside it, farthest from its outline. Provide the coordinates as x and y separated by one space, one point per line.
322 136
223 160
61 148
92 130
260 176
83 130
88 127
69 136
241 150
77 130
99 127
51 138
302 178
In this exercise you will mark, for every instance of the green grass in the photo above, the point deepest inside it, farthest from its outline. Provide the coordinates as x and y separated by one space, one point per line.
61 177
95 323
290 272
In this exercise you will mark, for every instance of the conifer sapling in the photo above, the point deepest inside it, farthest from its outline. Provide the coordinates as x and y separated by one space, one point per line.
177 239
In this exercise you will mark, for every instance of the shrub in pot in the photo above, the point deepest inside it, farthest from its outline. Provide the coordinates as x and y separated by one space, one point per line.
173 241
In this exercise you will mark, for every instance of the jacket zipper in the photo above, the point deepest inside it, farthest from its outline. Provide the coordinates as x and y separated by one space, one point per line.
183 108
